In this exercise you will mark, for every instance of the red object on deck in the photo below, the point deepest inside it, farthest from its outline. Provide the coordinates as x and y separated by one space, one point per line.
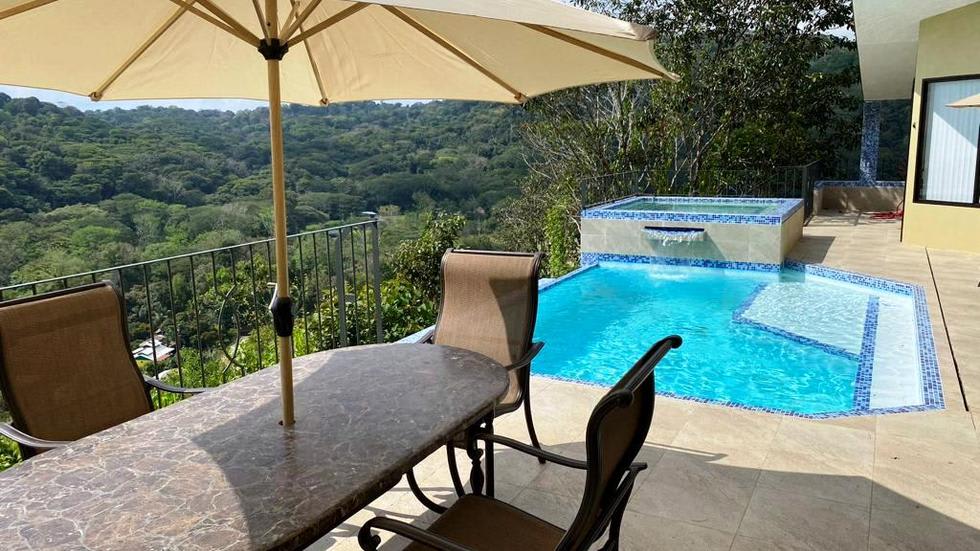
894 215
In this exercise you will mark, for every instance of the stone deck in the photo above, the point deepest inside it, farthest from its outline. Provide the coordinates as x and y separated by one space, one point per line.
723 478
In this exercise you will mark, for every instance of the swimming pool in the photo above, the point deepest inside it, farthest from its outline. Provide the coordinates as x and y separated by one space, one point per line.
806 341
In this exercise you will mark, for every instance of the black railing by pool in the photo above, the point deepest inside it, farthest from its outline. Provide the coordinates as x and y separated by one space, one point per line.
205 316
776 182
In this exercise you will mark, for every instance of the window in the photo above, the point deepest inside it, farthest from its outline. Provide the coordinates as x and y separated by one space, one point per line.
948 144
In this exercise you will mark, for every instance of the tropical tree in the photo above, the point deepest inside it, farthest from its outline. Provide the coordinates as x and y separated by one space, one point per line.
752 93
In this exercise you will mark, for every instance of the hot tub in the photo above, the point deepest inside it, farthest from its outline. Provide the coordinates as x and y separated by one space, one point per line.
709 231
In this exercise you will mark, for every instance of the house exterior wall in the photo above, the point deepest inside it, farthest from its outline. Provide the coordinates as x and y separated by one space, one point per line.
948 46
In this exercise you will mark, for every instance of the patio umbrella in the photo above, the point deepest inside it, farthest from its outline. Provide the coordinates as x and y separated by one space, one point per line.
315 52
972 101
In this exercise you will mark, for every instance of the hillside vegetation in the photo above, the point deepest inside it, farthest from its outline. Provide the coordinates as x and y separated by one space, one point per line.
85 190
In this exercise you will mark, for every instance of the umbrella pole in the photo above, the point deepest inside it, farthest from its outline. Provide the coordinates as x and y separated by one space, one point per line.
281 306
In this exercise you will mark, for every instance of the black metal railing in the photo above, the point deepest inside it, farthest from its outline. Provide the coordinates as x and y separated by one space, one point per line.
778 182
208 309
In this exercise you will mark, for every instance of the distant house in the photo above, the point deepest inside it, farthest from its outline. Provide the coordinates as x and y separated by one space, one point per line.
926 51
153 349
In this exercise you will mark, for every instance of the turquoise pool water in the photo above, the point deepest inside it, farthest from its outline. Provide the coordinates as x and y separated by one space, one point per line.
655 205
772 341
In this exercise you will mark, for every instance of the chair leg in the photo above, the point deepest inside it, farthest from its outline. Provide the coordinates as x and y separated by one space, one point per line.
489 460
454 470
420 495
612 544
476 455
530 422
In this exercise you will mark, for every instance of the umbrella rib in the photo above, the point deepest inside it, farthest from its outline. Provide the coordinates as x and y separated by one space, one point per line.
326 23
229 20
292 24
290 16
218 23
25 7
597 49
262 21
316 70
97 94
520 97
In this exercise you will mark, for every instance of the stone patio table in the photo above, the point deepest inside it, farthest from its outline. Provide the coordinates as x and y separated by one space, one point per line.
217 471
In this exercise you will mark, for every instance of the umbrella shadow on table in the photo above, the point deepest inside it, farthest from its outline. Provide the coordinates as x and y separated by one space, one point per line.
273 485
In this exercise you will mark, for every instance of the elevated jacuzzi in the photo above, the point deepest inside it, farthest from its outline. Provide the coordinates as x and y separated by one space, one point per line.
720 231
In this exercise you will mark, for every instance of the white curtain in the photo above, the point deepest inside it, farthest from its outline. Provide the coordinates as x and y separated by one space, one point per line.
949 168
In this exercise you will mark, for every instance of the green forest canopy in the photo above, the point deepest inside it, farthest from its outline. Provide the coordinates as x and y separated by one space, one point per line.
86 190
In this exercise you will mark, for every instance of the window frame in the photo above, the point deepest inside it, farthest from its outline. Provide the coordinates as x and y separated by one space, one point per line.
921 146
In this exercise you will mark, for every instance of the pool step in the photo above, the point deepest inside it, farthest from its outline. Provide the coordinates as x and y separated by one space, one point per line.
875 331
809 315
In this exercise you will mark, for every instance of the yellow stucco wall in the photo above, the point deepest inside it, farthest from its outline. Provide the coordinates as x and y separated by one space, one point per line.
948 46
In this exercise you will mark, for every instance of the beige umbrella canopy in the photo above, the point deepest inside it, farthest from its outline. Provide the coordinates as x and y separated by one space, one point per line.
972 101
315 52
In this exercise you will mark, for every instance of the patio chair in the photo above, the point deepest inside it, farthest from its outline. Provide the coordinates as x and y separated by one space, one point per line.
616 431
489 305
65 367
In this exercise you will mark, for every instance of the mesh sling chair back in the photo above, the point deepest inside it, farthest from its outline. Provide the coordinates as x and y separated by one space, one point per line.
489 305
616 431
65 367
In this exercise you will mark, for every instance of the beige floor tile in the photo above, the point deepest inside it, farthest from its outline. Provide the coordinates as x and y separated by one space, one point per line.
691 489
743 543
559 480
561 411
647 533
946 425
864 422
558 510
805 522
938 475
825 461
916 528
739 438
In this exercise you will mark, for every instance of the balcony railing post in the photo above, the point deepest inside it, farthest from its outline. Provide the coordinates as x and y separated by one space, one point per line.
338 244
376 274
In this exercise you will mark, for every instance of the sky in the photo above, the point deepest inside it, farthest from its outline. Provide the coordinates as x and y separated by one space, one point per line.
64 99
82 102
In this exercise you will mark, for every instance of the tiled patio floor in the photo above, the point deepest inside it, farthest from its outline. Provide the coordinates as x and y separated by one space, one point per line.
723 478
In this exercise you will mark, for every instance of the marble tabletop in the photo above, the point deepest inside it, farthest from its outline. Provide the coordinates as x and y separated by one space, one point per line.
217 471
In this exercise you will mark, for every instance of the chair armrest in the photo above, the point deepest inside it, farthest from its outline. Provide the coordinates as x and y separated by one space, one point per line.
370 542
159 385
526 359
542 454
28 440
546 455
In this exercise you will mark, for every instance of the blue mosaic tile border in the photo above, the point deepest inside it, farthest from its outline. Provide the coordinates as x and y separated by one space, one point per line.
877 283
862 383
932 384
928 360
594 258
739 317
787 207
